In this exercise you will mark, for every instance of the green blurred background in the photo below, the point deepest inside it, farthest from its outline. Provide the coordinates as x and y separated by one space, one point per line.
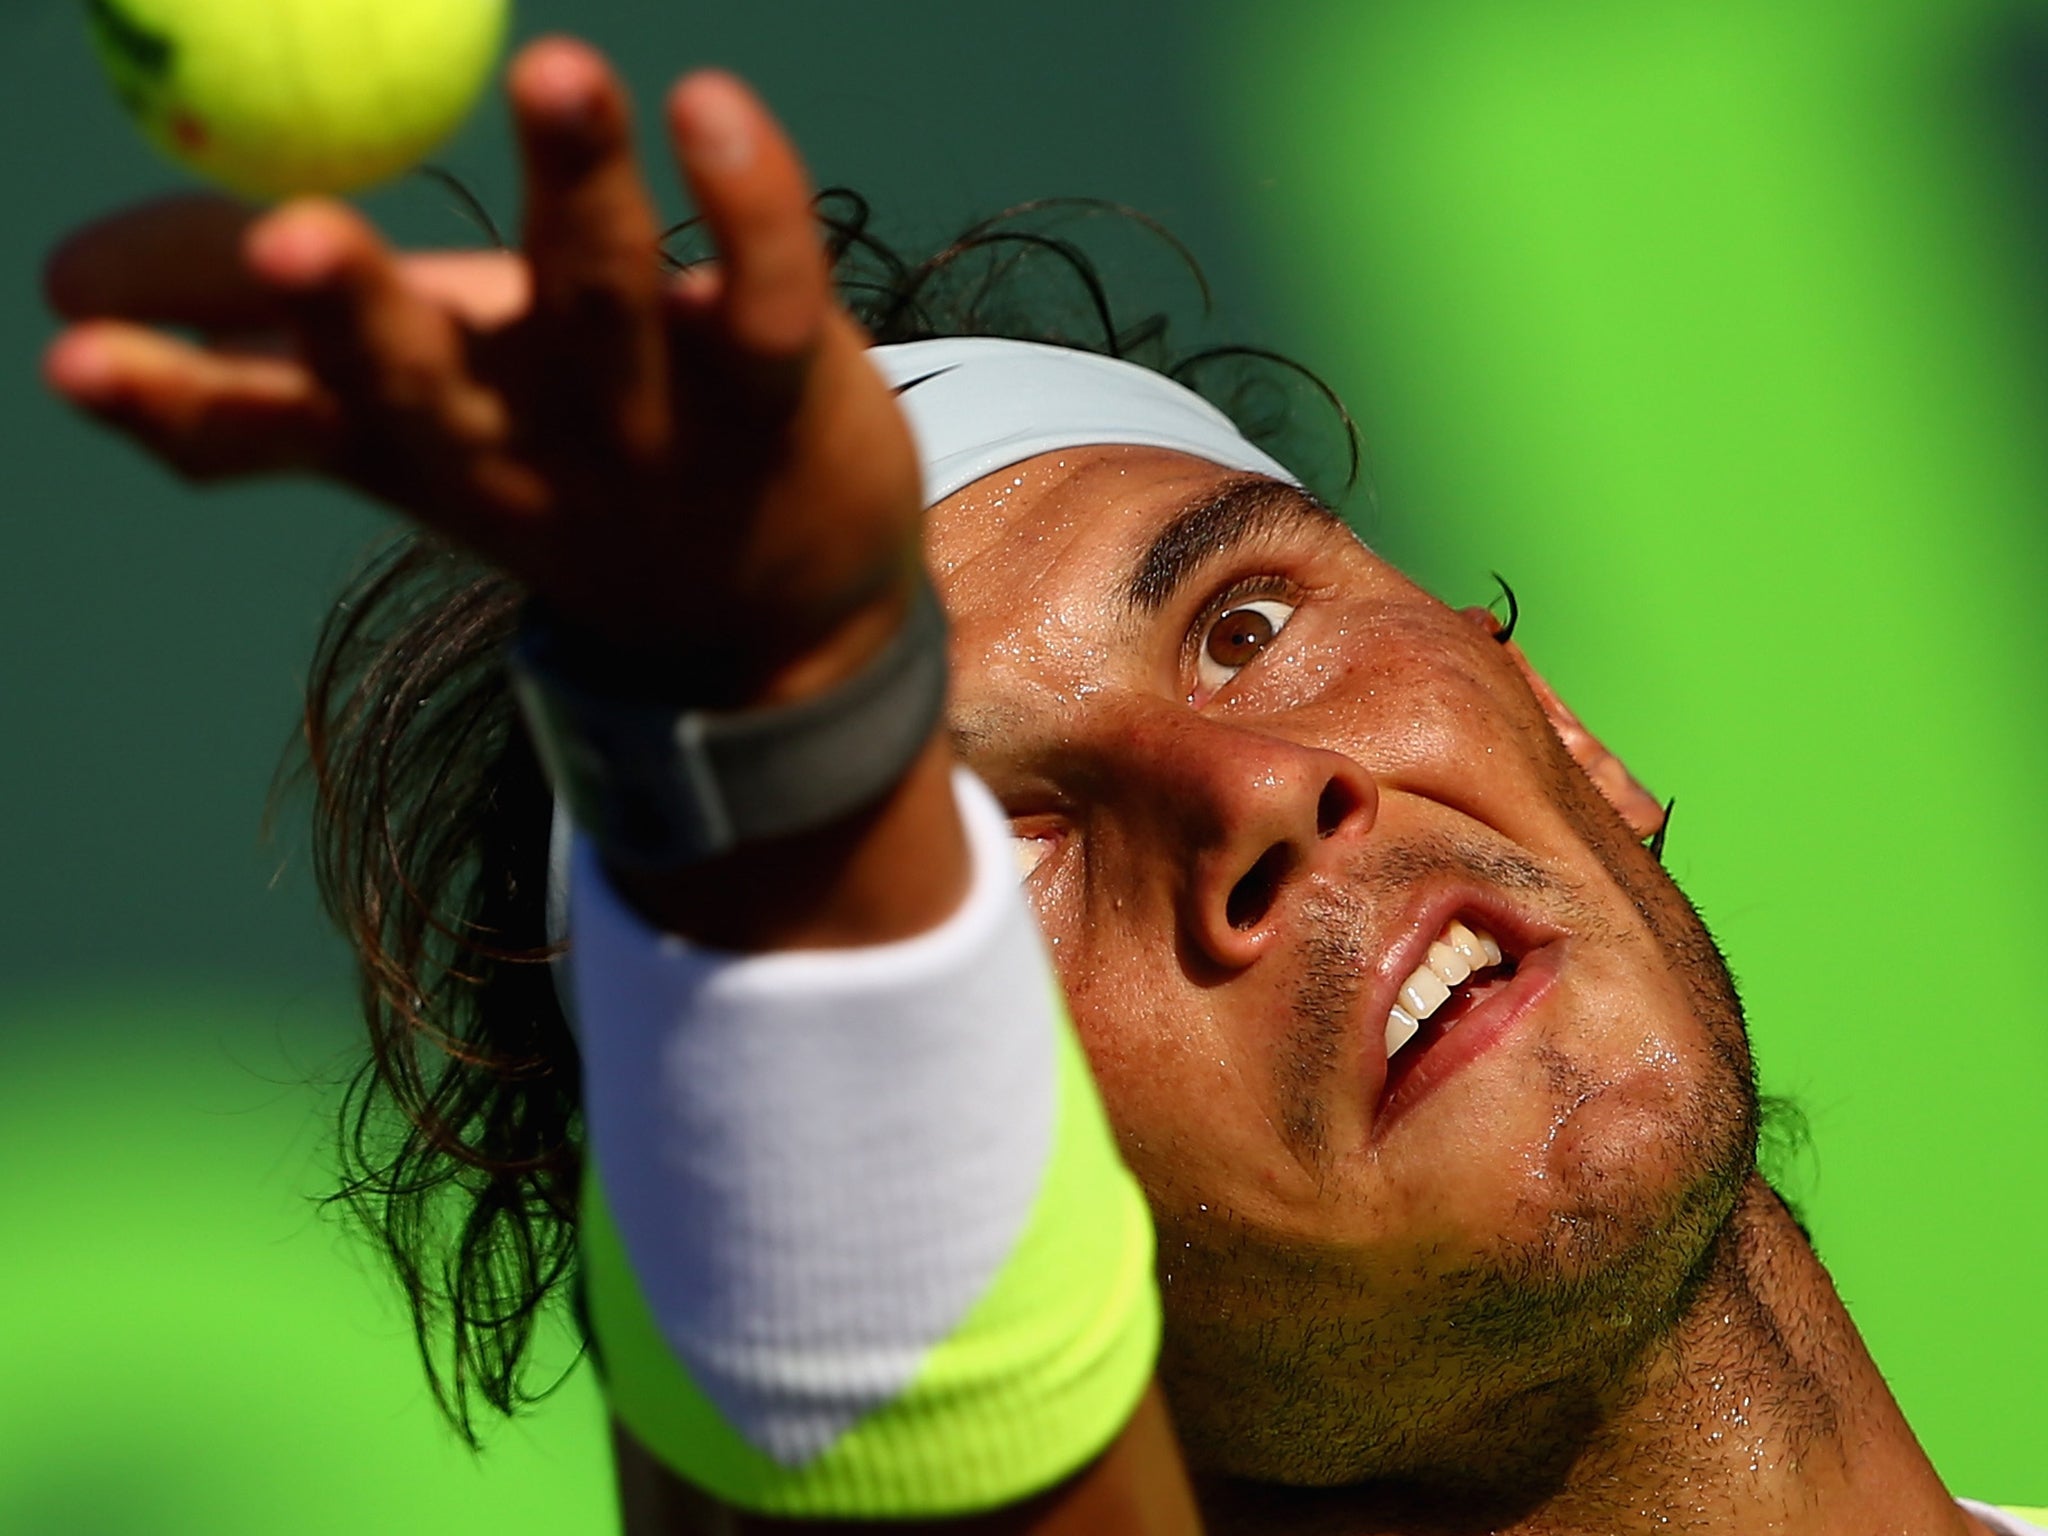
1717 326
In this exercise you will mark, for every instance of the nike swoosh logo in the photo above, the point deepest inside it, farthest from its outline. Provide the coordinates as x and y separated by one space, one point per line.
924 378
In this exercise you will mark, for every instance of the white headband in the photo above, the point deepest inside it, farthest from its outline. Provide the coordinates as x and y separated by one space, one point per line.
977 404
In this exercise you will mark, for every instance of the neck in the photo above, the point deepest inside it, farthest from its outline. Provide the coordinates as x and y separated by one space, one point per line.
1761 1411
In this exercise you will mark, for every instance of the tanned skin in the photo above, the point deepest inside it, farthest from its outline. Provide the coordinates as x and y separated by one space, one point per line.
1533 1287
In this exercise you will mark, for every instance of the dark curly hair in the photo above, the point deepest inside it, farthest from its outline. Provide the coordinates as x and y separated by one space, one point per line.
460 1144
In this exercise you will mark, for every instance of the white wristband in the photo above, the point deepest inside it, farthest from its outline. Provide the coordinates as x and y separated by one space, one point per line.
817 1161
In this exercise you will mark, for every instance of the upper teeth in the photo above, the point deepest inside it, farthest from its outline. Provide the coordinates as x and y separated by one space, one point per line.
1456 954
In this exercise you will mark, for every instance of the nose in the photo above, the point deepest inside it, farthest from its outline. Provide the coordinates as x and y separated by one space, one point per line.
1245 817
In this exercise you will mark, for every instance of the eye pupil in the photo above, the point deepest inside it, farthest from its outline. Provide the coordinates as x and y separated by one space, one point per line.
1239 636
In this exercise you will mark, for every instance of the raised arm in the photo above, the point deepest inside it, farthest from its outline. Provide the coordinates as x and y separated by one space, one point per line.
702 480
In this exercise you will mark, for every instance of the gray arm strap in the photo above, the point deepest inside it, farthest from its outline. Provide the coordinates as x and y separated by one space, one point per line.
658 786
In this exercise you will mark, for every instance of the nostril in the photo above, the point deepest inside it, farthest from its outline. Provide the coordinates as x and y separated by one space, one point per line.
1252 897
1338 803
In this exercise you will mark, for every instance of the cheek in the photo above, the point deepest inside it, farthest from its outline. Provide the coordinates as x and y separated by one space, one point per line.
1430 715
1613 1116
1191 1113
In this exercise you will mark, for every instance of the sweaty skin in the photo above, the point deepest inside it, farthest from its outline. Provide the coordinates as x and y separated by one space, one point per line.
1535 1286
1538 1285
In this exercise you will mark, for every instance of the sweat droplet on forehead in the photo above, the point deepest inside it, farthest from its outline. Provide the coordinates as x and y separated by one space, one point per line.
1076 516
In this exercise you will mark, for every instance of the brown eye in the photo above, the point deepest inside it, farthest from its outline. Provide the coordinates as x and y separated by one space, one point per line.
1235 640
1239 636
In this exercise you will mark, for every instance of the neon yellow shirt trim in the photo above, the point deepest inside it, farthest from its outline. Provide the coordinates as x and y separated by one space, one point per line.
1036 1380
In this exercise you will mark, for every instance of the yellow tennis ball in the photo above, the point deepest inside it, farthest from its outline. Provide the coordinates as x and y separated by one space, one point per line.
275 97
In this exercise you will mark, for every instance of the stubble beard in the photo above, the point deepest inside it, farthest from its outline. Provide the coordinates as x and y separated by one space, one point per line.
1483 1385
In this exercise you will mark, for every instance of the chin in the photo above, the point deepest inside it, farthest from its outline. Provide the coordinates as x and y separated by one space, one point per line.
1444 1356
1539 1267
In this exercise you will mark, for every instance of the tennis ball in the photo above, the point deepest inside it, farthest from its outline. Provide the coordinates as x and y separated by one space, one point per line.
275 97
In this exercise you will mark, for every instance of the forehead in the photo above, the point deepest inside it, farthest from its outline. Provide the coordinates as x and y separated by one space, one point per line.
1064 513
1058 571
1060 538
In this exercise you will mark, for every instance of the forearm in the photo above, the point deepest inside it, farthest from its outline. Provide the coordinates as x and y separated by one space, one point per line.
857 1237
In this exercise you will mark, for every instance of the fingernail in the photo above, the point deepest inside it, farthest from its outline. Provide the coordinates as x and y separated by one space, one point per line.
290 251
560 86
718 129
81 368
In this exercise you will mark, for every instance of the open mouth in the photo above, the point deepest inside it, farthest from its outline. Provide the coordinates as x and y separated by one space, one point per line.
1463 968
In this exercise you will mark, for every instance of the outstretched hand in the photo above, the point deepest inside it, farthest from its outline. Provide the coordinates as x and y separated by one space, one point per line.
703 469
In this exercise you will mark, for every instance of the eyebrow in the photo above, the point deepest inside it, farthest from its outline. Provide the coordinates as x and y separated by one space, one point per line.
976 729
1213 525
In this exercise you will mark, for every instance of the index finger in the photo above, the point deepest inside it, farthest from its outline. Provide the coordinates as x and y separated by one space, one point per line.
591 237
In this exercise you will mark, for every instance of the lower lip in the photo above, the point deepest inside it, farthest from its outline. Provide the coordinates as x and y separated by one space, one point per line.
1473 1036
